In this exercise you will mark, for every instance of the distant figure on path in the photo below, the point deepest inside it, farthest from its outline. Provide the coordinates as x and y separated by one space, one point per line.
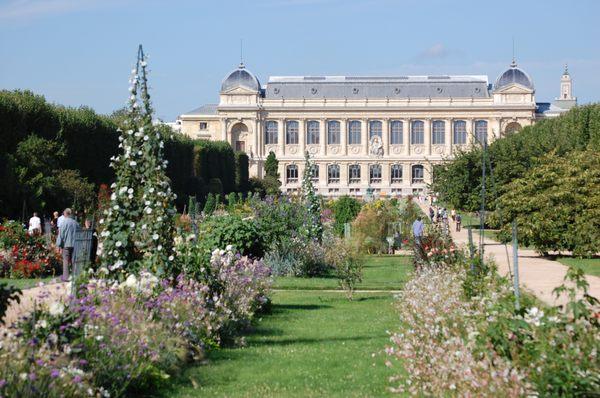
54 223
431 213
417 228
453 214
66 241
458 221
94 249
35 225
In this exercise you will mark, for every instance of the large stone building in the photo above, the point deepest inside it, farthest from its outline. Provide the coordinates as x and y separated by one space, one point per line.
367 133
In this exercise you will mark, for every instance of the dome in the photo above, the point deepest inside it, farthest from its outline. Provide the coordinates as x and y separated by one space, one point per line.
514 75
240 77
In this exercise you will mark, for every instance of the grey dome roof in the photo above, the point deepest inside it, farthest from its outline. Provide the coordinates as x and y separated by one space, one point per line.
240 77
514 75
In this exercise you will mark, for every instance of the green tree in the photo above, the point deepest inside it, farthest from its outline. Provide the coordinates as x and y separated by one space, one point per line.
345 210
139 222
313 225
210 205
75 191
272 166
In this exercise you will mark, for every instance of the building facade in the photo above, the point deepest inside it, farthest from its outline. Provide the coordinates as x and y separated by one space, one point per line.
367 134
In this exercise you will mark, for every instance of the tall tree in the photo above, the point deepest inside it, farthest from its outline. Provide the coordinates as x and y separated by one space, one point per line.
139 221
313 224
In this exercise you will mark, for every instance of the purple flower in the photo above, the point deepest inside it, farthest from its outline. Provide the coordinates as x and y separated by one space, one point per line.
32 376
77 379
2 383
54 373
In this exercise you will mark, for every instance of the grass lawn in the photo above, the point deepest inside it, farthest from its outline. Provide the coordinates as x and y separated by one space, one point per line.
590 266
312 344
25 283
380 273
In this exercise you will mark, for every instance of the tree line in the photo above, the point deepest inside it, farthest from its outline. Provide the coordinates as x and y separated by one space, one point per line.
54 156
546 176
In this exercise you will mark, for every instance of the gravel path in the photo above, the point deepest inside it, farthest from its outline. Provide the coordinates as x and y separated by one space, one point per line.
45 293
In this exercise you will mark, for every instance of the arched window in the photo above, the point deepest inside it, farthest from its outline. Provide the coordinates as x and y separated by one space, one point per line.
291 132
512 127
460 132
418 174
375 129
396 136
314 173
438 132
396 173
291 173
417 132
354 173
270 132
312 132
333 132
375 173
481 131
354 132
333 174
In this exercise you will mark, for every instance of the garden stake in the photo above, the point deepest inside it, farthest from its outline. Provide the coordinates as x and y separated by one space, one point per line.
516 265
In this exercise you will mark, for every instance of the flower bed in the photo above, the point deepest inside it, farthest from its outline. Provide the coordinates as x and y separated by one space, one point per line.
462 336
23 255
117 339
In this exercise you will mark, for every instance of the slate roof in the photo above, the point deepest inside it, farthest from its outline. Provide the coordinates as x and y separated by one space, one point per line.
358 87
240 77
208 109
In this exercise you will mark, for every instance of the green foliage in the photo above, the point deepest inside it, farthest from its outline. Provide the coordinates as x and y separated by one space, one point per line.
557 206
210 205
347 263
373 225
313 227
272 166
241 172
345 210
139 223
7 294
215 186
75 191
215 159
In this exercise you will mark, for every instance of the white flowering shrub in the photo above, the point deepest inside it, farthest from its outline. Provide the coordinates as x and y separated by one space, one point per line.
138 224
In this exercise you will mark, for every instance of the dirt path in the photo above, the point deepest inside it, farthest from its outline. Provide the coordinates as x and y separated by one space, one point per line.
46 293
537 274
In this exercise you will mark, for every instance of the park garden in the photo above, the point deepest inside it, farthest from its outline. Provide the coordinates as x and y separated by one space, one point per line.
232 291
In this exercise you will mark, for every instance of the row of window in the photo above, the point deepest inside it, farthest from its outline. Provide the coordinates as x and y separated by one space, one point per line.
417 132
354 171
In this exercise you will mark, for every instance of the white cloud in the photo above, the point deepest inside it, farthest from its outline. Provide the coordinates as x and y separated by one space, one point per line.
436 51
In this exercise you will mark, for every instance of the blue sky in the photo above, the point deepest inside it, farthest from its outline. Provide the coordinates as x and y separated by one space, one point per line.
80 52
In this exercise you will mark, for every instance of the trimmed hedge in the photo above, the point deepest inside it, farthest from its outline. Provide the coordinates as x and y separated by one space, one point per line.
215 160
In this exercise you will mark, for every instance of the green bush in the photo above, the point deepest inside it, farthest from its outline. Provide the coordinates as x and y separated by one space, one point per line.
345 210
218 232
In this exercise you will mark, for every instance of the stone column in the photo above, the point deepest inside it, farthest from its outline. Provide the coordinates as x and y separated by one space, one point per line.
385 135
224 129
323 136
259 136
343 137
406 135
494 132
448 134
343 178
385 177
281 136
470 132
427 129
302 136
364 136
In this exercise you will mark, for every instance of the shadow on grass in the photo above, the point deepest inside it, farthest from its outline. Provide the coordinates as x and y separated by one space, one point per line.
284 307
292 341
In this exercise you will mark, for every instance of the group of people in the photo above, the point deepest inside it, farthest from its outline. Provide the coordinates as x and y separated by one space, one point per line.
64 228
439 216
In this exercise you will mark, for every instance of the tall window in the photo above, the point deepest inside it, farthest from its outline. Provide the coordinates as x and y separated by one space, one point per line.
417 174
333 174
396 136
460 132
354 132
396 172
270 132
417 132
333 132
312 132
438 132
375 173
481 131
375 129
291 132
291 173
314 173
354 173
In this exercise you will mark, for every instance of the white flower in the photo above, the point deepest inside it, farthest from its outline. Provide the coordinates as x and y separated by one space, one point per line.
116 207
113 196
151 189
130 190
56 308
122 190
146 138
131 281
144 226
133 163
23 376
99 338
119 243
41 324
159 247
148 210
155 236
132 224
103 270
171 258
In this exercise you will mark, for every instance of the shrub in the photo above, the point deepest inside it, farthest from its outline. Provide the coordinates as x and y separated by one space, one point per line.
346 263
345 210
373 225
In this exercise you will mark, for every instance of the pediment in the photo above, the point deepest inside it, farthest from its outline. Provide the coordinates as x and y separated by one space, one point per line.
514 88
239 91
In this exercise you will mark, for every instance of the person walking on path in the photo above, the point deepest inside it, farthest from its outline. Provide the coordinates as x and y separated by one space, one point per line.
458 221
431 213
66 241
35 225
417 228
453 214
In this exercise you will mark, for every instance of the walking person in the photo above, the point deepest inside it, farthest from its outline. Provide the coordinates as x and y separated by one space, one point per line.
66 241
453 214
54 223
417 230
35 225
458 221
431 213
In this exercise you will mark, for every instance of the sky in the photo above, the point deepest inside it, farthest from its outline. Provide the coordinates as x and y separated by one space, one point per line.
80 52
